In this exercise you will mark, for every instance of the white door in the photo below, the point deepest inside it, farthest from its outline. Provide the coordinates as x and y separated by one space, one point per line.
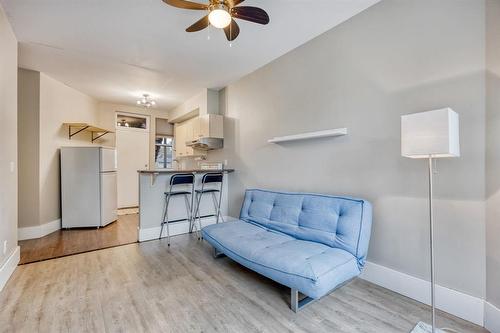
132 149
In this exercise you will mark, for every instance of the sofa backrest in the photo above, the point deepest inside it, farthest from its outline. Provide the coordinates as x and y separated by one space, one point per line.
338 222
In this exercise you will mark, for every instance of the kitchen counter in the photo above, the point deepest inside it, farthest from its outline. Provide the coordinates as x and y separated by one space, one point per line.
183 171
152 187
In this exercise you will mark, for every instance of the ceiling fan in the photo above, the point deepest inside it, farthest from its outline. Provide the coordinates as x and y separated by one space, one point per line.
221 14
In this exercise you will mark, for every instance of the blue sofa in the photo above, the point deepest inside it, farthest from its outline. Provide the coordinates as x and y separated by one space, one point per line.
311 243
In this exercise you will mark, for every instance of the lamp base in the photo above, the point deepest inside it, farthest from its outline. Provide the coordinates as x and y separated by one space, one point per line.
422 327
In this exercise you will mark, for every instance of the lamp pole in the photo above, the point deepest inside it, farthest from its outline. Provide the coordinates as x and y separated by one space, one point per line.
431 220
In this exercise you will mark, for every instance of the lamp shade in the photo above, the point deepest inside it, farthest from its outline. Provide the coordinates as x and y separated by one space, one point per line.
430 134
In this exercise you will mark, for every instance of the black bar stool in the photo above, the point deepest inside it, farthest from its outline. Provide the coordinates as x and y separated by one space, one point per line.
179 179
215 178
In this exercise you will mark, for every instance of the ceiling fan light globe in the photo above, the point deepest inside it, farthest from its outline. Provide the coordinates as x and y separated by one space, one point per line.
219 18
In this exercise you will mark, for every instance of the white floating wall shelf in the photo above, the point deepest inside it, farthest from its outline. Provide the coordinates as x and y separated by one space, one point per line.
310 135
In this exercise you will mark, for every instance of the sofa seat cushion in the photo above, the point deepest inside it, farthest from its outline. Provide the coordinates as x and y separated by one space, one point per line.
312 268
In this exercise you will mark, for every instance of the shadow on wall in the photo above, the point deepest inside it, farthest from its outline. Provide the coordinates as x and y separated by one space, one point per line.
493 188
235 199
492 134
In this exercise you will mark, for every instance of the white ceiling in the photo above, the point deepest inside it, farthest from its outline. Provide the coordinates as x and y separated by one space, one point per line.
115 50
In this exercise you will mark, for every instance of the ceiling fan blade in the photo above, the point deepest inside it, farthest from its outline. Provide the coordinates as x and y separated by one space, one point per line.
252 14
232 31
233 3
186 4
199 25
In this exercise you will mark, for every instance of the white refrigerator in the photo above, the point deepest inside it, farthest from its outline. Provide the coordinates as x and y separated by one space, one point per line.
88 186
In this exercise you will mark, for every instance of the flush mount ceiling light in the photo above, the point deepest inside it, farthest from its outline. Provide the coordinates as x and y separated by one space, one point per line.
221 14
146 101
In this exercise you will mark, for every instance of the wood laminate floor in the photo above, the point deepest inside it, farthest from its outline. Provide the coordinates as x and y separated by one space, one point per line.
72 241
148 287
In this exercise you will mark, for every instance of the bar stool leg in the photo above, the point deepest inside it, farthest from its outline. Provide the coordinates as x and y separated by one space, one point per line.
217 203
215 208
163 219
191 220
166 216
197 215
188 210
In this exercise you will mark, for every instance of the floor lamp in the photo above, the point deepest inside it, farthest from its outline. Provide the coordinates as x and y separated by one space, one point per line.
430 135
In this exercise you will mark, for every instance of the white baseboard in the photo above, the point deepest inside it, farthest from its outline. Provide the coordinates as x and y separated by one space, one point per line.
178 228
9 266
39 230
464 306
491 318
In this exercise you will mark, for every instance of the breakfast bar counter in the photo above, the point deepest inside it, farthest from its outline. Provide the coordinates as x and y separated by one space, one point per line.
152 187
195 171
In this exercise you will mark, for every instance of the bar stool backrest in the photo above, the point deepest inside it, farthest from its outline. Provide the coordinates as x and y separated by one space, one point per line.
212 177
182 178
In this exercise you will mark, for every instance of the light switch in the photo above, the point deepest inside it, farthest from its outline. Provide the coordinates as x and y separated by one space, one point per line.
12 167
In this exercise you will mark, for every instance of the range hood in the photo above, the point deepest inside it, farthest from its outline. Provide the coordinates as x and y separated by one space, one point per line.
206 143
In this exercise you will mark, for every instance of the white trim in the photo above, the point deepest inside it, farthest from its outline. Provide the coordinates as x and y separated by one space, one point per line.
178 228
491 318
39 230
467 307
9 266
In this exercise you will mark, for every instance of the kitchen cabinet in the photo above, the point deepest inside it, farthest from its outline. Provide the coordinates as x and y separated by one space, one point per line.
183 133
210 125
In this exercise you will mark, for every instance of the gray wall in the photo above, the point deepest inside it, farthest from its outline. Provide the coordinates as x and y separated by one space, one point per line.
397 57
493 152
28 133
8 138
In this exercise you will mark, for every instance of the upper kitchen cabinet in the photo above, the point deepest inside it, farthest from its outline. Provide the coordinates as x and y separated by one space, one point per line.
208 126
183 133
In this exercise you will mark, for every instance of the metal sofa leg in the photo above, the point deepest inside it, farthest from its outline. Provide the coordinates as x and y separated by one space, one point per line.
218 254
296 304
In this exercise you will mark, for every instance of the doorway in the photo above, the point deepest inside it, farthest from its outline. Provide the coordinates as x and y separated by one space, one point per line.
132 148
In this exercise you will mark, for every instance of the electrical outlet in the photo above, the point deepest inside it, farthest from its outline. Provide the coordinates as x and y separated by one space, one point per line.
12 167
4 247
